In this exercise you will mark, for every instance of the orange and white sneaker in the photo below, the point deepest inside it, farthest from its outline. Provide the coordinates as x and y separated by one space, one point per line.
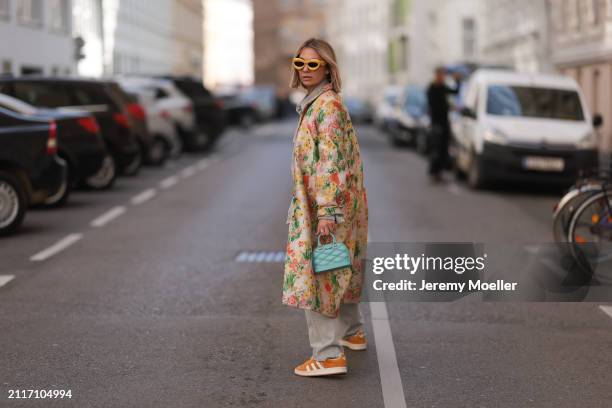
314 368
355 342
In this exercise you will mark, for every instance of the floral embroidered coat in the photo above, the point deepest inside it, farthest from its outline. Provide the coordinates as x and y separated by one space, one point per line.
327 177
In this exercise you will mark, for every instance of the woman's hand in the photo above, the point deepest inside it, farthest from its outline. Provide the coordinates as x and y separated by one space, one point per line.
326 227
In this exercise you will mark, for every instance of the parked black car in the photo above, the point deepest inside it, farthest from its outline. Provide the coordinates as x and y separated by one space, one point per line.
30 169
209 112
93 96
238 110
80 144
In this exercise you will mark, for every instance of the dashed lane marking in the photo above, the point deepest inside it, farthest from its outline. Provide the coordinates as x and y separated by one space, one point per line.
260 256
607 310
56 248
168 182
108 216
188 171
144 196
202 164
4 279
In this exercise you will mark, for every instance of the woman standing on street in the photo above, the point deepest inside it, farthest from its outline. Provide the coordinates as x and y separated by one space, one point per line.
328 197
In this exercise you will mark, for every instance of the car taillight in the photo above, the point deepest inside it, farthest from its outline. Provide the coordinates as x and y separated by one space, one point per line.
52 139
121 120
90 124
136 111
188 108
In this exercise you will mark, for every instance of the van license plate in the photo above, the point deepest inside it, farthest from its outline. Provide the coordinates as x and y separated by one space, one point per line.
543 163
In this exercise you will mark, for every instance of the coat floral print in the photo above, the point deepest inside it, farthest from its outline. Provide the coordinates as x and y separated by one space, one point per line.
327 177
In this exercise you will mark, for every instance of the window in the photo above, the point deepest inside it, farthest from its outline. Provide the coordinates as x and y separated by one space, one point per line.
30 12
7 67
31 70
469 38
532 102
5 9
58 15
43 94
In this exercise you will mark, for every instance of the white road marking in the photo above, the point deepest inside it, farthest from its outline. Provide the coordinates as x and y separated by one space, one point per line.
4 279
144 196
56 248
108 216
390 380
270 256
455 189
532 249
606 309
260 256
188 171
280 256
202 164
168 182
241 257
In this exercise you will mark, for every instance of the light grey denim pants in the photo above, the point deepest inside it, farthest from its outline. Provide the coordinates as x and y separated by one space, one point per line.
325 332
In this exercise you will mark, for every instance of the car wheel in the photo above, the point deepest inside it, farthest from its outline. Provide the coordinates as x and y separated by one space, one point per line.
246 121
105 176
475 177
61 196
12 203
133 167
158 152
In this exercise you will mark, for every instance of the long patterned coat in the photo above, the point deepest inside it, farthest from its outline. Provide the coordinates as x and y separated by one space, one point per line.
327 177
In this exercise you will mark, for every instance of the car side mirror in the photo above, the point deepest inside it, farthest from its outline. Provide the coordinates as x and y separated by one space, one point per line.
597 120
468 112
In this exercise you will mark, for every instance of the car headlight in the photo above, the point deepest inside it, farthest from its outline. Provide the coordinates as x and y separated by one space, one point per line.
589 141
493 135
408 120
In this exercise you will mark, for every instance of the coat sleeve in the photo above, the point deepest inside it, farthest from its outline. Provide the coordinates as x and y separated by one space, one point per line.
330 161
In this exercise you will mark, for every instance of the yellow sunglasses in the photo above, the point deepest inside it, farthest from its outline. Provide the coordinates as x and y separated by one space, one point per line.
312 64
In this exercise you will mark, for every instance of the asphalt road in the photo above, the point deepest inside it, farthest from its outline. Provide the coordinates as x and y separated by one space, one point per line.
137 300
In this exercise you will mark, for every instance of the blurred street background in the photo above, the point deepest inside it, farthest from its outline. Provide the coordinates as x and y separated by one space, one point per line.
145 179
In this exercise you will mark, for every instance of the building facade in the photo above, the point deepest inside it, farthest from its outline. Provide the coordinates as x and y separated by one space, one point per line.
357 29
581 40
36 37
187 37
138 37
516 34
228 54
279 27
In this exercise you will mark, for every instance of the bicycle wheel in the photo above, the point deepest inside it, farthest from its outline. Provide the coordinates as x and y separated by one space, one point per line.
590 231
566 208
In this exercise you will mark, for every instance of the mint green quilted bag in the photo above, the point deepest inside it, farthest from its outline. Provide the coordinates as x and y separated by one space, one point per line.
328 257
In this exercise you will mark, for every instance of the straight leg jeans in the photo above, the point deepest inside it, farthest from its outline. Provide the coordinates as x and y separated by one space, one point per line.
325 332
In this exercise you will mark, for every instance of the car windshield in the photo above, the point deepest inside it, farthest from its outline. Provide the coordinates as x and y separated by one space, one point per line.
416 101
534 102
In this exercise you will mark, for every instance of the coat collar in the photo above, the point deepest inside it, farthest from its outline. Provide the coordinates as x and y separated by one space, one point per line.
323 86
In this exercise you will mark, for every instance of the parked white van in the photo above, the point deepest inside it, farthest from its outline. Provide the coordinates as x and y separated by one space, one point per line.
520 126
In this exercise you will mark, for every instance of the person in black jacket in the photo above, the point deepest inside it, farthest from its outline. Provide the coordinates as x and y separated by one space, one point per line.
437 98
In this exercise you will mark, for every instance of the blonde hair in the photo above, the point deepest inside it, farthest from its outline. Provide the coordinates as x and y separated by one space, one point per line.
325 50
